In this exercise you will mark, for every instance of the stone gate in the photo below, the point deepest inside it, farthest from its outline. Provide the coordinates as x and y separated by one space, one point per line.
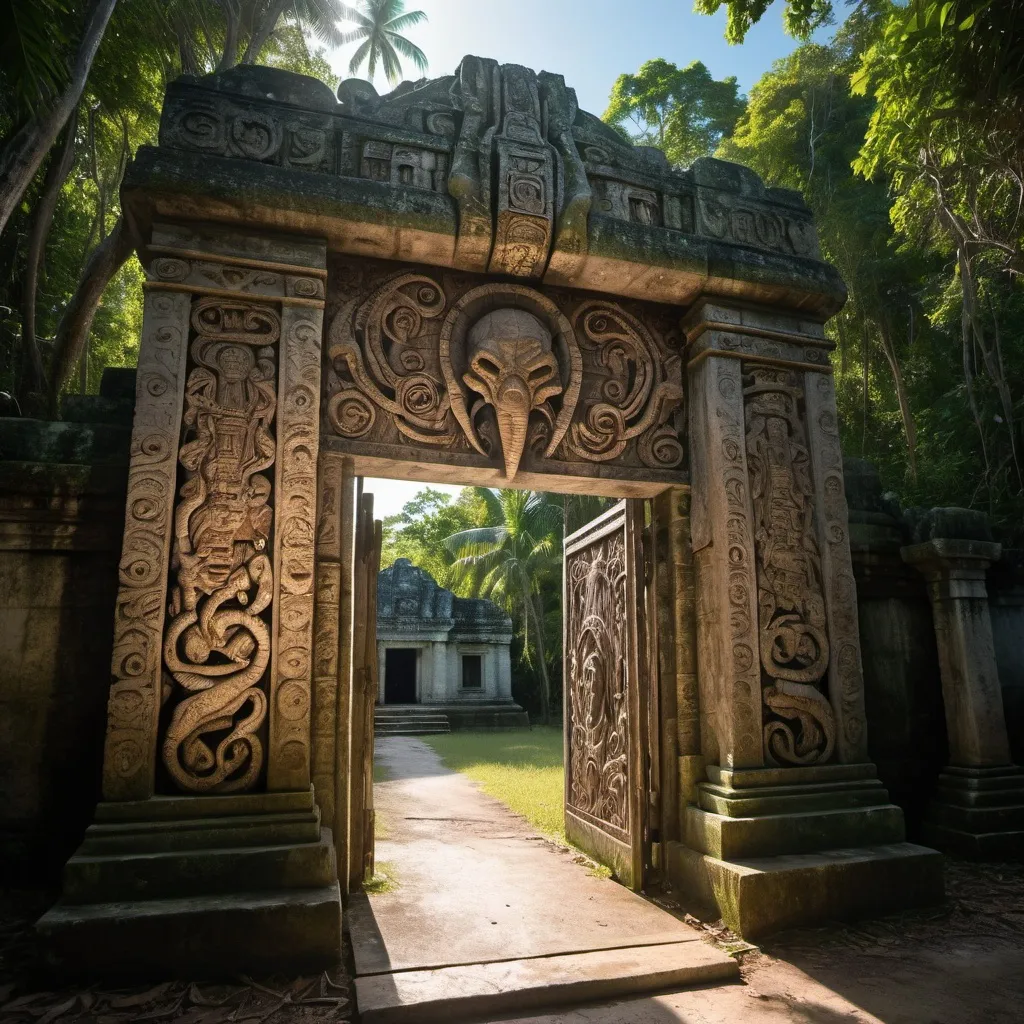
468 280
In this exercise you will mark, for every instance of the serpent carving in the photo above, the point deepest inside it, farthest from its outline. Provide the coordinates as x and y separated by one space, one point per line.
217 644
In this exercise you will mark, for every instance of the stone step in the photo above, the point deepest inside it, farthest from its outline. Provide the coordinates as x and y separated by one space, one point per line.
202 833
480 992
383 722
409 720
172 938
181 873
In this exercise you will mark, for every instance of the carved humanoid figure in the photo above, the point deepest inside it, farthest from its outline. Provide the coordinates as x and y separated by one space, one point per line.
791 606
217 646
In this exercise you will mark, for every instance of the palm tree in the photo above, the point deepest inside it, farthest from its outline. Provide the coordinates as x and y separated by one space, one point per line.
511 560
380 24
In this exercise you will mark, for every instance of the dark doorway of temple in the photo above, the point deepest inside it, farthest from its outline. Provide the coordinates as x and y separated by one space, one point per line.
400 675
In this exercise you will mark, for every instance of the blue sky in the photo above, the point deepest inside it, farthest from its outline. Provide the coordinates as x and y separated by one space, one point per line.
590 42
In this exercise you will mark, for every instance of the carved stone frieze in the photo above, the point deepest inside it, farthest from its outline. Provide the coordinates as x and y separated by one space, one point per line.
522 166
792 628
500 374
263 132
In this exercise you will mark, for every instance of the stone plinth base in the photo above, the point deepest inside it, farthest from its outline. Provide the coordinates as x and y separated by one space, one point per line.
761 895
978 813
199 887
771 848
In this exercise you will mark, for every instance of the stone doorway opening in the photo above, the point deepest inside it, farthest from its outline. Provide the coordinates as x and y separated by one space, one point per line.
400 675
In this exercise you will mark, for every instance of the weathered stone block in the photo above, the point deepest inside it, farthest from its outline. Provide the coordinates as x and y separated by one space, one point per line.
757 896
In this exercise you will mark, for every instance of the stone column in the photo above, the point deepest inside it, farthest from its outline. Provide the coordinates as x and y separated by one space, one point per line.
440 675
778 656
210 703
979 807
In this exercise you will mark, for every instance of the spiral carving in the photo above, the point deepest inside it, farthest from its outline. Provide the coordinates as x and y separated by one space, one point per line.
375 346
640 394
792 626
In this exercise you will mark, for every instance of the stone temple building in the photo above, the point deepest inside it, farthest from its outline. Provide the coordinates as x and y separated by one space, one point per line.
450 653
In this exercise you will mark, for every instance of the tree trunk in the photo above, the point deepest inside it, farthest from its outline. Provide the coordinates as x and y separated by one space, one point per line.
545 683
73 333
229 56
33 377
909 430
24 154
262 32
864 391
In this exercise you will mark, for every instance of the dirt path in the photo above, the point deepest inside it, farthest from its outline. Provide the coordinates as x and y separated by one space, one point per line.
476 883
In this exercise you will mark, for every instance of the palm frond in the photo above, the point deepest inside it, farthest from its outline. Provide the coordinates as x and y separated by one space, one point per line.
410 50
389 60
404 21
349 13
478 541
358 57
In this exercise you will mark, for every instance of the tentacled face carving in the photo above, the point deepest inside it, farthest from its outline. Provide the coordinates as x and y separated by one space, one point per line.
513 369
507 351
791 606
501 374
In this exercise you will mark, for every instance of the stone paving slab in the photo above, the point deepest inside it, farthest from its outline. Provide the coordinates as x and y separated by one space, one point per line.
478 991
477 883
483 903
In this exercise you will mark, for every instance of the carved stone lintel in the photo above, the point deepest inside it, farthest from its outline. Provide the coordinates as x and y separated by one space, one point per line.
135 695
502 374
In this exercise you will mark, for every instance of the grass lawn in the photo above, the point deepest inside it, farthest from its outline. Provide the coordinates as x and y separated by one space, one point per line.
521 769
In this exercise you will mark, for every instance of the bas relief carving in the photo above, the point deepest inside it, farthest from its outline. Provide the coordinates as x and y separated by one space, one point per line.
217 643
510 149
597 659
792 628
501 372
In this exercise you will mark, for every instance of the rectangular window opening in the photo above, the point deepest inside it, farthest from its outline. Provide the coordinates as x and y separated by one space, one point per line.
472 671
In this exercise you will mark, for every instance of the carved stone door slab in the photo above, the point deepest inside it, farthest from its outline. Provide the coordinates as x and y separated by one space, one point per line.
604 803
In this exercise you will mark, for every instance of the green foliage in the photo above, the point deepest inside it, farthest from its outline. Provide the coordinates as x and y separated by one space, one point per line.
420 530
799 17
147 43
906 136
683 111
379 27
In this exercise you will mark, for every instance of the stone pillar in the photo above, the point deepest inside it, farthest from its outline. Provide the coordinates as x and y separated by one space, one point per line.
778 656
906 727
213 624
440 675
979 806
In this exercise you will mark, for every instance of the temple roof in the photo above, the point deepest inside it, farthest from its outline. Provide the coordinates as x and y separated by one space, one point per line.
409 599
